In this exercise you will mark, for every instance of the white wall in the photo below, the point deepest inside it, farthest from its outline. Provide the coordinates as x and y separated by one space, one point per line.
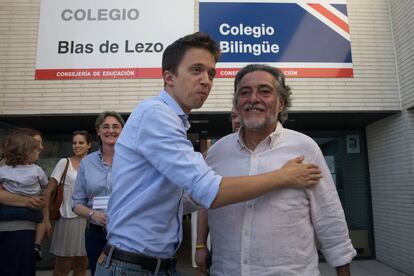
391 162
403 20
374 87
391 156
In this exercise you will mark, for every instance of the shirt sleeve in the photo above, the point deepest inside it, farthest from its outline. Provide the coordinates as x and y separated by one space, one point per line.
189 205
165 145
79 195
328 218
43 180
58 170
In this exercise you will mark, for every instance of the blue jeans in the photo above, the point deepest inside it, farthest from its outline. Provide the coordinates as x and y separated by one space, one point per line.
111 267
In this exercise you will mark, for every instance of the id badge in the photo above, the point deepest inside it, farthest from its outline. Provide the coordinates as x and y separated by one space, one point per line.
100 202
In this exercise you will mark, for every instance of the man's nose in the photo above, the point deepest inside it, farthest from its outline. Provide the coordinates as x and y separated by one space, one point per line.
205 78
254 96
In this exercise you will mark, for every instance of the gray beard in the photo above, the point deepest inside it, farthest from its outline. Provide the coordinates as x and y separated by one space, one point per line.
254 124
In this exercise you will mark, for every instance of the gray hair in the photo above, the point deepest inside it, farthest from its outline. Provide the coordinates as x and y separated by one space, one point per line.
281 88
101 118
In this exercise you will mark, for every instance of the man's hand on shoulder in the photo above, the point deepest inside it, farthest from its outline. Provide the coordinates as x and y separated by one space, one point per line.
299 175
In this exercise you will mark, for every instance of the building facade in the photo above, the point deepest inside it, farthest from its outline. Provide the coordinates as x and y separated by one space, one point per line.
364 124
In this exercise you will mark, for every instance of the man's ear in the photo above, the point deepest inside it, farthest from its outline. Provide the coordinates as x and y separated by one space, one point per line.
168 78
281 104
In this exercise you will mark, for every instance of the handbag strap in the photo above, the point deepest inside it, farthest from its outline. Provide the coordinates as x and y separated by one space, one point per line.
63 177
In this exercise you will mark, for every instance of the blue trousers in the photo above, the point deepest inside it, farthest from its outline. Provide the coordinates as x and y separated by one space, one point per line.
95 240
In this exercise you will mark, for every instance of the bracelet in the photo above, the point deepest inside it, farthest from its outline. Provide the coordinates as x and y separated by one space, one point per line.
200 246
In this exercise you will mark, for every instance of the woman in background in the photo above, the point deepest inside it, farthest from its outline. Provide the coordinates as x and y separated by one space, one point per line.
94 183
68 240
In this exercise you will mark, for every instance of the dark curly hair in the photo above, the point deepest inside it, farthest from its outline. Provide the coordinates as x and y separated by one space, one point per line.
18 148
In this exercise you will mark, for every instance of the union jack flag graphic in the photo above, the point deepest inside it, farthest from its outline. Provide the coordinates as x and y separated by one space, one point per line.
329 15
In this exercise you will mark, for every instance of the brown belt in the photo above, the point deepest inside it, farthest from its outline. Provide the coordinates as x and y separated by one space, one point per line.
147 263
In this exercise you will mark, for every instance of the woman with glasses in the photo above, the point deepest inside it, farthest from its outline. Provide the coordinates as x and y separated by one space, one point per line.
68 240
94 184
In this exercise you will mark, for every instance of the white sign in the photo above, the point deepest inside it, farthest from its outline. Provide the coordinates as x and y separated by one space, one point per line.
101 39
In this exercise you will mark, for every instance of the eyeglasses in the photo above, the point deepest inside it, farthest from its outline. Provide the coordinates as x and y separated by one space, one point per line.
106 127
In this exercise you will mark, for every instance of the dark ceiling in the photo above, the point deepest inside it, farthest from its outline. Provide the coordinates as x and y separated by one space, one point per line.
204 123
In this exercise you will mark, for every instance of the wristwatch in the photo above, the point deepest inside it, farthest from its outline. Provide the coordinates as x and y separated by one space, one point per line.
91 214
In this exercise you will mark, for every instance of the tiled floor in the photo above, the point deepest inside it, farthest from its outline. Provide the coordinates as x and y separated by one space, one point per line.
363 268
358 268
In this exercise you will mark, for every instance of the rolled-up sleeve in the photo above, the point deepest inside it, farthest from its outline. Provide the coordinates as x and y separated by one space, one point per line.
328 218
79 195
167 148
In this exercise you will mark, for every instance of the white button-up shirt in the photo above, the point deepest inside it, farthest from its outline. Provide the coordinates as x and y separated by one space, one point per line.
275 233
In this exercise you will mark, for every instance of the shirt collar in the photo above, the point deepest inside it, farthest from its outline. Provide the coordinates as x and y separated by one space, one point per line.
270 140
170 101
100 157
